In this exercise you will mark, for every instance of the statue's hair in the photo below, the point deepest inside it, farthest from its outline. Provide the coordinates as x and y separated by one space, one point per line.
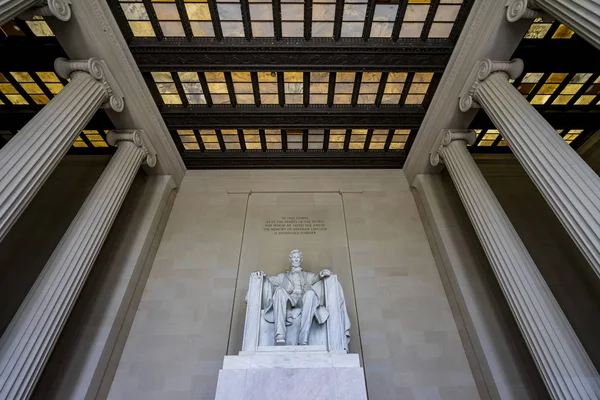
296 251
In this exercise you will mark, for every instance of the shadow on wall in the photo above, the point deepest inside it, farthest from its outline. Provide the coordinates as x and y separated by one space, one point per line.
31 241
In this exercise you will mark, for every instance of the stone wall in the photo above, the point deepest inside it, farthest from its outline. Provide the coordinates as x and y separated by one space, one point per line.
219 230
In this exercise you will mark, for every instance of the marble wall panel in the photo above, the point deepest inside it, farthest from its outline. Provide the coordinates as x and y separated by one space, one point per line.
409 342
268 250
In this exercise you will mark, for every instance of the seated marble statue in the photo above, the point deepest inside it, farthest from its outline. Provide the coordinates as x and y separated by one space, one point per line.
291 295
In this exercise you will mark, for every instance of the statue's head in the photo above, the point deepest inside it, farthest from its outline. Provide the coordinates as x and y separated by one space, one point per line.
296 259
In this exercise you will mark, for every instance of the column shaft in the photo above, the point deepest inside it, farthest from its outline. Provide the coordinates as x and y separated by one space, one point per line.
563 363
569 185
582 16
29 158
28 341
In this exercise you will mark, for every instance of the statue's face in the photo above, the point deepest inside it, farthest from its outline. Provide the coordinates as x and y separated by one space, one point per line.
296 259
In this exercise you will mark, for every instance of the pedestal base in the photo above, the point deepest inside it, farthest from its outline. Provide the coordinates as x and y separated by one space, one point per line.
292 373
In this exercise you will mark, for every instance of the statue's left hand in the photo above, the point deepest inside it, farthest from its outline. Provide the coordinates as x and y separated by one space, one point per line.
325 273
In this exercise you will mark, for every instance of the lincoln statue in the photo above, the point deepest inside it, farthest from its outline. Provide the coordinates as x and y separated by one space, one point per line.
291 295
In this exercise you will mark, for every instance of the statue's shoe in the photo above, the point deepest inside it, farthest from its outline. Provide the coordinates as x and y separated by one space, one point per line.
279 340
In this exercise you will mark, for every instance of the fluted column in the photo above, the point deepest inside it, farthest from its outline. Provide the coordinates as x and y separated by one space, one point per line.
28 341
563 363
27 160
569 185
10 9
582 16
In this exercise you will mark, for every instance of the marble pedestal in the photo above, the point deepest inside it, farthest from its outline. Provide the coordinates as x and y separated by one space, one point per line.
293 373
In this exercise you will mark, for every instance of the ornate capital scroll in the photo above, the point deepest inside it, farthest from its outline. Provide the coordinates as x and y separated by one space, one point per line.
447 136
519 9
59 9
482 70
137 137
99 71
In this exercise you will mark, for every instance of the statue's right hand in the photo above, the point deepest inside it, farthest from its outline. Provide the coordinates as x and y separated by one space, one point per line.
257 274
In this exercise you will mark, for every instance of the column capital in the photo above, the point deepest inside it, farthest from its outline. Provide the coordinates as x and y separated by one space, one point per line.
520 9
482 70
59 9
137 137
446 137
98 70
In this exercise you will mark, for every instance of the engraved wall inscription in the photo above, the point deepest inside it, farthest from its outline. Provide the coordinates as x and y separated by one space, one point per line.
295 225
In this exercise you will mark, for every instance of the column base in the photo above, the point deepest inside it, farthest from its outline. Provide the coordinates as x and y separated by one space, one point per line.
293 373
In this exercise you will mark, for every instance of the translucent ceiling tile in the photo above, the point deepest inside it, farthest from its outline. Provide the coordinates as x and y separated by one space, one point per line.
135 11
198 11
352 29
261 12
79 143
563 33
540 99
162 76
323 12
22 77
354 12
562 100
411 30
526 88
39 27
171 28
581 78
292 29
571 88
446 13
593 89
556 78
547 88
188 77
415 99
319 77
267 77
229 12
241 77
142 28
292 12
10 28
420 77
263 29
532 77
584 100
214 76
538 30
293 77
416 13
48 77
382 29
440 30
397 77
39 99
322 29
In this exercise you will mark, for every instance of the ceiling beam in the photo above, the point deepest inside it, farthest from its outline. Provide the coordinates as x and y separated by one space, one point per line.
293 159
239 54
346 117
556 116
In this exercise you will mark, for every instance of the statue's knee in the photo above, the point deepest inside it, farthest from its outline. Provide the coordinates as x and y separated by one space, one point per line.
310 294
279 293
